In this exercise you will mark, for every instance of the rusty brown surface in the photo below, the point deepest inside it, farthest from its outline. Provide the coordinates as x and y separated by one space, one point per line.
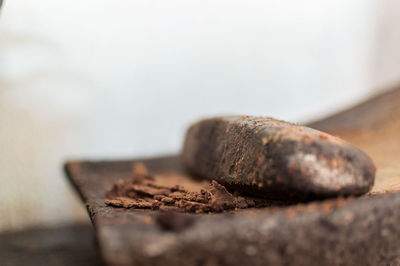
374 126
276 159
353 231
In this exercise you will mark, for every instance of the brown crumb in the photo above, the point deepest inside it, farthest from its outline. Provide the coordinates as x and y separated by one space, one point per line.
142 192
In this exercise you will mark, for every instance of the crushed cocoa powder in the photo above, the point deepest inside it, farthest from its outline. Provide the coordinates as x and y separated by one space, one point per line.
144 191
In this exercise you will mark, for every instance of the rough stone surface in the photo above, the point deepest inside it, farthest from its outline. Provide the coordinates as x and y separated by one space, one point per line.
276 159
352 231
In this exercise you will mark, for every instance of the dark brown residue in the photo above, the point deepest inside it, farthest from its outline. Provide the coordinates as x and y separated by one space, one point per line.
143 192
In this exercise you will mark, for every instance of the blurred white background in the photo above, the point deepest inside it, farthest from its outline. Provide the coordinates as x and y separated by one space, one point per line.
124 78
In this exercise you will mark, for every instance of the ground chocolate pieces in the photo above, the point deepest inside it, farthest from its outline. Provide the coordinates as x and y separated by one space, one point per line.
142 192
130 203
276 159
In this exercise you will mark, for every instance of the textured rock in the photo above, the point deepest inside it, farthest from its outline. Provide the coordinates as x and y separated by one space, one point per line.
353 231
276 159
